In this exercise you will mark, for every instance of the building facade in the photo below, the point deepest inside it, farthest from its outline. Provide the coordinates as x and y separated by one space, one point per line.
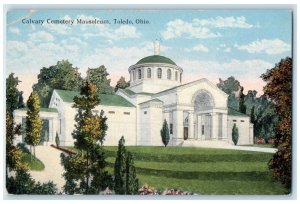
195 112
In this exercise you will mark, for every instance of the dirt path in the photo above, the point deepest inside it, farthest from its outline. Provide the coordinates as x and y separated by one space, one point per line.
53 169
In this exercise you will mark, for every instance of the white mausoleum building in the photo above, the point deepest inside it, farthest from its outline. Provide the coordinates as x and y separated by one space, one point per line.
196 112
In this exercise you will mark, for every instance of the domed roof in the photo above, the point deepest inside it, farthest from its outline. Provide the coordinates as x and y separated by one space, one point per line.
156 59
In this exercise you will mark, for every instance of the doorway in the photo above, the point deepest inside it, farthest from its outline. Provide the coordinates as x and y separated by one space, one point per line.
185 133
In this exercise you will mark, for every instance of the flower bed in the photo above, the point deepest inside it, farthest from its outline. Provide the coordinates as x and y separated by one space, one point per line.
66 150
146 190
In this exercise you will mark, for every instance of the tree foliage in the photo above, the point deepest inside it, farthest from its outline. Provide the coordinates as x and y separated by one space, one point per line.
98 76
279 90
265 117
13 153
14 97
125 181
121 84
60 76
33 121
235 134
85 172
164 133
242 106
24 184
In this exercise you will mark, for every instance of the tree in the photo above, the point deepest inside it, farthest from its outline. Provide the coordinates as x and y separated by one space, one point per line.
279 90
85 172
126 182
231 86
24 184
121 84
13 153
57 142
120 168
60 76
235 134
98 76
33 121
164 133
252 115
242 107
132 183
14 98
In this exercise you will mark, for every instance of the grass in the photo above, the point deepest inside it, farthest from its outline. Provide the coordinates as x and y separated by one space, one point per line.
203 170
261 145
34 164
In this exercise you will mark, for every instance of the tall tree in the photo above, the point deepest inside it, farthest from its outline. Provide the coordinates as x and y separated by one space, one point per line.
124 170
98 76
132 183
242 106
231 86
33 121
13 153
120 168
279 89
235 134
165 134
60 76
14 98
121 84
85 172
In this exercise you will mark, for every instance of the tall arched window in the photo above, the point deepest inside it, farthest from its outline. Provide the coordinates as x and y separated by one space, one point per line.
149 73
139 73
159 73
133 75
169 74
180 77
176 76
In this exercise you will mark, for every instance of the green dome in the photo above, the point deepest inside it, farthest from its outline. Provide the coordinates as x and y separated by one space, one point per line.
156 59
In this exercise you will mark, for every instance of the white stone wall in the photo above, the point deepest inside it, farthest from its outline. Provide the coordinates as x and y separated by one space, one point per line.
245 129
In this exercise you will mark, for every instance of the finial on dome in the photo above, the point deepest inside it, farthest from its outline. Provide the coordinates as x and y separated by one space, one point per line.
156 47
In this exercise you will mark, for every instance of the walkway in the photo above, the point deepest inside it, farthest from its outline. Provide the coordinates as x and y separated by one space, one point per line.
224 145
53 169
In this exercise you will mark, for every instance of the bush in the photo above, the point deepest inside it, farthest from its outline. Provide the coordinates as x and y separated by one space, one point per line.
165 134
23 147
57 142
235 134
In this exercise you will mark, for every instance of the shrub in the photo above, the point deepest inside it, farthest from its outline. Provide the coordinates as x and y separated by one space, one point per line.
235 134
165 134
57 142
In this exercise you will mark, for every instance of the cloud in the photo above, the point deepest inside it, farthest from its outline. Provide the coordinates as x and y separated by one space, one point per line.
224 22
197 48
178 28
271 47
58 28
14 30
228 49
246 71
104 30
41 36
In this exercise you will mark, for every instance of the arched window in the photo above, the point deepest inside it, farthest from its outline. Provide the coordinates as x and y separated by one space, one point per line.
176 76
139 73
149 73
169 74
180 77
133 75
159 73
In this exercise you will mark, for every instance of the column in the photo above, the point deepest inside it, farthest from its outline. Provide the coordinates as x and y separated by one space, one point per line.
199 126
214 132
224 126
191 125
178 124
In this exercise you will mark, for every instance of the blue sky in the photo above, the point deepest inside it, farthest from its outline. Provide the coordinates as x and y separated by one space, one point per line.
205 43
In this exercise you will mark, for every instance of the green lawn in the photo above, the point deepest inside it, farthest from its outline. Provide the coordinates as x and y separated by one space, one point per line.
203 170
34 164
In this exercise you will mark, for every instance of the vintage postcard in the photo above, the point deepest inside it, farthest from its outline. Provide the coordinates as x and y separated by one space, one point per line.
149 102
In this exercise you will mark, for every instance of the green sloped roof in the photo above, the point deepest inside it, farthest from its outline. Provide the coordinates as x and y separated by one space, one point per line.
53 110
156 59
105 99
234 112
